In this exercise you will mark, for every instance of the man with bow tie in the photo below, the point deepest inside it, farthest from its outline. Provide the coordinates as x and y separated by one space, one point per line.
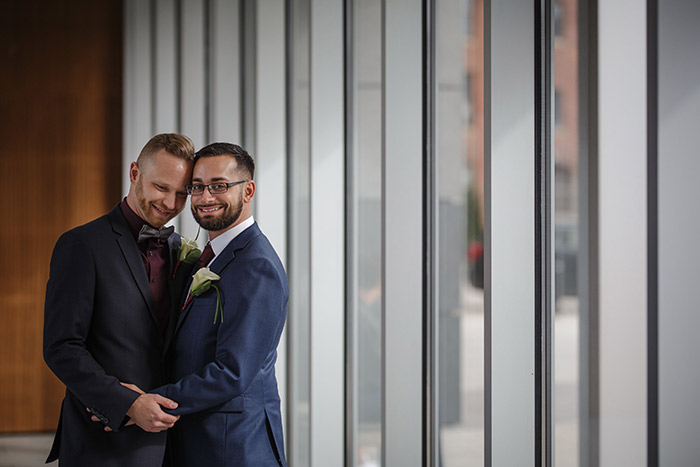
110 311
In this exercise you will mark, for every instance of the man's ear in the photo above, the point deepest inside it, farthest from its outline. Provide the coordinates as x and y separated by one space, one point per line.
133 172
249 191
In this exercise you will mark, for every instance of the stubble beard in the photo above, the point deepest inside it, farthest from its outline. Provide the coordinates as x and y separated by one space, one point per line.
215 224
145 205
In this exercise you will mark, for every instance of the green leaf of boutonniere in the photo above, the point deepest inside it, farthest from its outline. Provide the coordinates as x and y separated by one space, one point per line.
187 252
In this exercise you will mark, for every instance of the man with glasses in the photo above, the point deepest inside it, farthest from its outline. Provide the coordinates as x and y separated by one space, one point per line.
225 343
111 303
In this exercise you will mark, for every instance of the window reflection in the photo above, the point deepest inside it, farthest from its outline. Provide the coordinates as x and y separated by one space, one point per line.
366 159
567 250
299 421
460 175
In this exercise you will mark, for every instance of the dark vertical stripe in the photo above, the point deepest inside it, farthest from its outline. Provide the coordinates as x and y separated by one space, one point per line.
488 341
652 234
308 160
382 211
543 203
351 361
430 428
242 21
153 46
289 243
588 225
178 64
208 75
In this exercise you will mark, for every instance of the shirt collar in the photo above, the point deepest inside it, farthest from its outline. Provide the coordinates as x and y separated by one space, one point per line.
220 242
133 219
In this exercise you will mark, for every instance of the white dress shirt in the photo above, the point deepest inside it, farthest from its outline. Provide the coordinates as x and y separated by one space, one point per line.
219 243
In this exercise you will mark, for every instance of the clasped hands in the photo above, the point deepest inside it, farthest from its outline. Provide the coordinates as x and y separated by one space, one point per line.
146 412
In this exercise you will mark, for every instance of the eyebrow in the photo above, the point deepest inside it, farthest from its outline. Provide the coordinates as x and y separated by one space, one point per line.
168 186
215 179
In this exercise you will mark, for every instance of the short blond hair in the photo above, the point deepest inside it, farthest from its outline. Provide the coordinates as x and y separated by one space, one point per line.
176 144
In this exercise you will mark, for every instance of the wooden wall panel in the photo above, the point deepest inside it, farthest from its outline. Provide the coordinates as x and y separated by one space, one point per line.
60 161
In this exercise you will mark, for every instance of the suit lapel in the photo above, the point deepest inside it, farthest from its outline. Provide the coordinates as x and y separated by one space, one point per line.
185 292
174 288
127 244
222 260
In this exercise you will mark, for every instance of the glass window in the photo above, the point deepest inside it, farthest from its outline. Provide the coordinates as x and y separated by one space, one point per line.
460 213
366 234
558 18
567 250
299 266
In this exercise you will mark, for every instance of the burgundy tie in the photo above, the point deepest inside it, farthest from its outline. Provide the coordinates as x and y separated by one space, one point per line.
207 255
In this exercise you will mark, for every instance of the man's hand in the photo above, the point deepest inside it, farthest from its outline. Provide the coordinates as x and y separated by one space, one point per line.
146 411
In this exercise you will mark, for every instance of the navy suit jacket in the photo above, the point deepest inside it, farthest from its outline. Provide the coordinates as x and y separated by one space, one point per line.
101 327
225 372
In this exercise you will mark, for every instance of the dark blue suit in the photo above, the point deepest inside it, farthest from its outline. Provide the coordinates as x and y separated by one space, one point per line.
226 386
101 327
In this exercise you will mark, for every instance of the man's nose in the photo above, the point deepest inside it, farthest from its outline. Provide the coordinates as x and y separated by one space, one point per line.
169 200
206 195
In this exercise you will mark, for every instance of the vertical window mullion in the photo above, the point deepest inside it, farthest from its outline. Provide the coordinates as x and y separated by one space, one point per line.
511 197
402 234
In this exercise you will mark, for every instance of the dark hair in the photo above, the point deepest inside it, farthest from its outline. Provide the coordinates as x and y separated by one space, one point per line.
178 145
243 159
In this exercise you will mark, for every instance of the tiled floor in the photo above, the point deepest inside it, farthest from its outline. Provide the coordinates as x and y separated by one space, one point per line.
25 450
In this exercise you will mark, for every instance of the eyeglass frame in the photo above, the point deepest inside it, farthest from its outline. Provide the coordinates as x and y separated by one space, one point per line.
190 188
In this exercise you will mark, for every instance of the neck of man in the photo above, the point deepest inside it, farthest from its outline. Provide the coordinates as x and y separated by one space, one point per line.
245 214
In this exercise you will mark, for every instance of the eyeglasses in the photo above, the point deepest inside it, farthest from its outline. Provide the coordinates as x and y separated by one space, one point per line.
214 188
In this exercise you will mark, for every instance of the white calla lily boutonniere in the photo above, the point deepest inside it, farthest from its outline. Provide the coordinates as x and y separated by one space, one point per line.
202 281
188 252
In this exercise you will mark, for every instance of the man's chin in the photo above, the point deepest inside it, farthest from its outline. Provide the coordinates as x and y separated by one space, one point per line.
159 221
160 218
213 224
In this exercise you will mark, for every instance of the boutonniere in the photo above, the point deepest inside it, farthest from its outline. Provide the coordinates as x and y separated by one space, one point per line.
188 252
202 281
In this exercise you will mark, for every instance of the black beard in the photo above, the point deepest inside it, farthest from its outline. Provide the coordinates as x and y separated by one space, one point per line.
219 223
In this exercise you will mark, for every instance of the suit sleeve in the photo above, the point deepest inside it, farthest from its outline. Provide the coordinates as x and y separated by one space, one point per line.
254 314
68 312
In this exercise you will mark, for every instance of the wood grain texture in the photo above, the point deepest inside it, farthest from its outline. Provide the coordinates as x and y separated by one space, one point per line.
60 160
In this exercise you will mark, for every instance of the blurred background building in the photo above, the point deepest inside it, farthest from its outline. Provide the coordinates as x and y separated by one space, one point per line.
485 209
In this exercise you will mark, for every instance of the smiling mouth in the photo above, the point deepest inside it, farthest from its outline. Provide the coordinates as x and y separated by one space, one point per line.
161 211
209 209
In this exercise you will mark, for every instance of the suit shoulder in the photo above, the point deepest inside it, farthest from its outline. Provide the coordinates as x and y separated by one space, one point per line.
85 231
260 246
260 255
79 243
100 223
